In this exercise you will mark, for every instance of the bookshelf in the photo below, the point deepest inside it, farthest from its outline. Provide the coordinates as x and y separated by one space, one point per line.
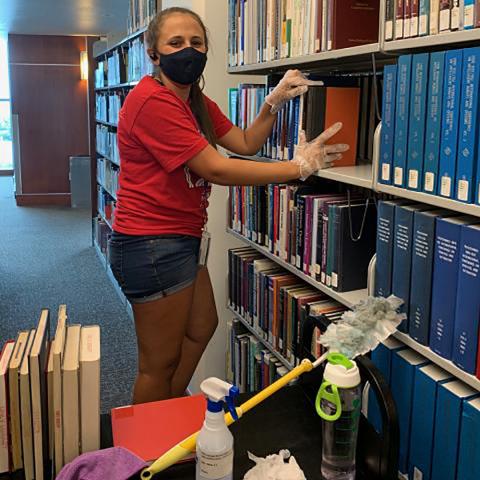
264 342
365 176
119 85
349 299
107 124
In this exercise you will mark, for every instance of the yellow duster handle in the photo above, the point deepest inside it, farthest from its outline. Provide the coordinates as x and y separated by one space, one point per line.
187 446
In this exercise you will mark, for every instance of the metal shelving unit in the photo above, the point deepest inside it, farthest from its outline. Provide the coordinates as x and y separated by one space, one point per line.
120 85
349 299
431 41
350 57
435 200
102 216
264 342
447 365
107 124
130 37
108 158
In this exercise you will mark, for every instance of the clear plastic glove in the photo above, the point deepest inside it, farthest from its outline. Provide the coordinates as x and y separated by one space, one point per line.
274 467
293 83
316 154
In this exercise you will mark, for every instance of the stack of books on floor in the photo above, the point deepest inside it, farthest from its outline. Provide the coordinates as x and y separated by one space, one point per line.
273 301
350 100
330 237
439 416
49 397
431 259
266 30
405 19
430 124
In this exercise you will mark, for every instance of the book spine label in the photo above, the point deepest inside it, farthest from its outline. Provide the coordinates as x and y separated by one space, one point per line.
434 16
399 19
455 15
469 14
421 283
416 129
402 256
389 19
383 272
424 17
469 124
388 119
401 119
451 109
465 337
444 287
300 230
414 20
433 123
444 15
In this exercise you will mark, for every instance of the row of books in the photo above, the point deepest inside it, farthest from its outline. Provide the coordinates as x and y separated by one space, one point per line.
128 63
140 13
50 391
430 124
406 19
329 236
106 205
107 144
107 106
107 176
430 258
439 416
350 100
273 300
266 30
250 366
101 235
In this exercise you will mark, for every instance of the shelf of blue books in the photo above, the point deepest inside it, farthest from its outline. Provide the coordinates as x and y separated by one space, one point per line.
438 360
107 124
264 342
109 159
349 56
113 195
129 38
358 175
446 39
349 299
113 87
435 200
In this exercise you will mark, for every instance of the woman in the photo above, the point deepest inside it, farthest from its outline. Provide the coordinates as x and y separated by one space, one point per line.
167 133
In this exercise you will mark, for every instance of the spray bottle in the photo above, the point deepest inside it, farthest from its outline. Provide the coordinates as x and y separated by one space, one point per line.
338 403
215 441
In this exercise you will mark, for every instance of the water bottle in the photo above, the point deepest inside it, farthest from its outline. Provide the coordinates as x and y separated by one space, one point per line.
339 404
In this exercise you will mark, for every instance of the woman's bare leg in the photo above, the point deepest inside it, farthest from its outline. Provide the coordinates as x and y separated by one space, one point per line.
202 322
161 326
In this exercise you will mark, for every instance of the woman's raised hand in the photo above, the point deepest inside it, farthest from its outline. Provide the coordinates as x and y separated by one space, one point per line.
316 154
292 84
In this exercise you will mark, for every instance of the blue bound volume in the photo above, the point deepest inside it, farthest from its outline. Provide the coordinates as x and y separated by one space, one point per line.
388 124
447 429
385 232
402 256
451 108
422 267
468 468
404 364
469 125
426 384
467 311
416 129
434 122
444 283
401 120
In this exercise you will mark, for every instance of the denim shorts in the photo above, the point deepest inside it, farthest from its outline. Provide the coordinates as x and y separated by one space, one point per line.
151 267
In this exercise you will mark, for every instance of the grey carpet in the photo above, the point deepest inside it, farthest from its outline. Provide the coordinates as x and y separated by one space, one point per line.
46 259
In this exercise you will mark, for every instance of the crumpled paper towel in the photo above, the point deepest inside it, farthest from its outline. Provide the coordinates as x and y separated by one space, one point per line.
274 467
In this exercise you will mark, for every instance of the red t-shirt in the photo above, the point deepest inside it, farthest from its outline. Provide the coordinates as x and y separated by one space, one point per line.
157 135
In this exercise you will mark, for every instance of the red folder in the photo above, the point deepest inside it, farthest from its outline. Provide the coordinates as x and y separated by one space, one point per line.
151 429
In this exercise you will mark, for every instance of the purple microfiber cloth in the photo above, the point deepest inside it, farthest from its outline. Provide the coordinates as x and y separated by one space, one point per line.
115 463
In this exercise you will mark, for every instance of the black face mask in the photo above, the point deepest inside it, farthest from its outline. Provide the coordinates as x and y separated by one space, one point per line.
185 66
